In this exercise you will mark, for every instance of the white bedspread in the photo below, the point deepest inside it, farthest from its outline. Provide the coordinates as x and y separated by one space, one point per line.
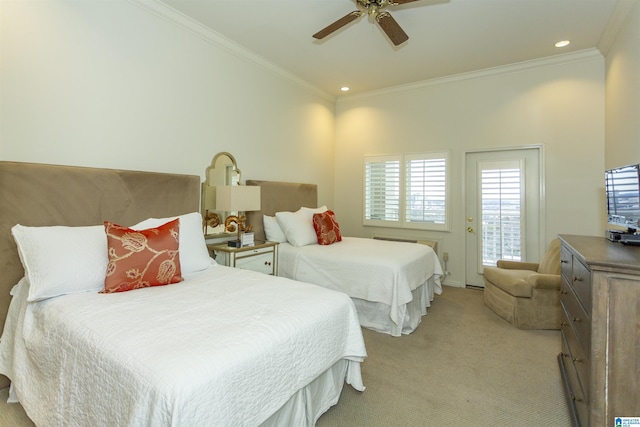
225 348
368 269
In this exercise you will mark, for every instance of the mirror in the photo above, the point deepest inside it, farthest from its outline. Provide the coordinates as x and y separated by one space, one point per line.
222 171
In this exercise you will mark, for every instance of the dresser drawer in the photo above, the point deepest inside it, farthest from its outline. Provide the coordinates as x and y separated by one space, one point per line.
573 350
576 316
581 283
576 393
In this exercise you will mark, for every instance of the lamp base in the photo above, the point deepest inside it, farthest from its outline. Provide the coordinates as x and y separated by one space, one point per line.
234 243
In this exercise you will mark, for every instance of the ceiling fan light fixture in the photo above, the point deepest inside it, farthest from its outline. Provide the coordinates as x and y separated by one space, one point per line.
345 88
563 43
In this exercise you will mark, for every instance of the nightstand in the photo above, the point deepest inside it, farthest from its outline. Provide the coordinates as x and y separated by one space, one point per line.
262 257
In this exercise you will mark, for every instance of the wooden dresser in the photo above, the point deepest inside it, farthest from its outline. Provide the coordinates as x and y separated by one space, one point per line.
600 324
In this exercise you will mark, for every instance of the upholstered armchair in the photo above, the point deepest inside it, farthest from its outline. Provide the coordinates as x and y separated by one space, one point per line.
526 294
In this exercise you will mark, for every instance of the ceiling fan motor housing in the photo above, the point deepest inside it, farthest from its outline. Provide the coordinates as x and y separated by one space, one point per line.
373 7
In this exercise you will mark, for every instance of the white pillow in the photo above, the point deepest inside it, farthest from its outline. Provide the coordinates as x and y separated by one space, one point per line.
272 230
194 255
297 227
310 211
62 260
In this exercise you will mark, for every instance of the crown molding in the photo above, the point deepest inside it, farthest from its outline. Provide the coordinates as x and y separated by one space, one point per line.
620 14
169 14
582 55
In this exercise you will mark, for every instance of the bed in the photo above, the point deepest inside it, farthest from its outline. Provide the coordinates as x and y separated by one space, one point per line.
221 346
391 283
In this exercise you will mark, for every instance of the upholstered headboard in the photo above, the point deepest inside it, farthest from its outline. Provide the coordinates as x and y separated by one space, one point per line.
40 195
278 197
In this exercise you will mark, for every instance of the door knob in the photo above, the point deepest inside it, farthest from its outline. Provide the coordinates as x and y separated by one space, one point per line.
470 229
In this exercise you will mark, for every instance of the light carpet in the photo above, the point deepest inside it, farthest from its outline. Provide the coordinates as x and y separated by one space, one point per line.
463 366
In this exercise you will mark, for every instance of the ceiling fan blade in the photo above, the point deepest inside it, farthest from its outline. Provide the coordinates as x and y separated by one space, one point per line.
338 24
391 28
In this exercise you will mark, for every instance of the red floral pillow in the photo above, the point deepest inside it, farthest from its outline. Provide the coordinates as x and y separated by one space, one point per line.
142 258
327 228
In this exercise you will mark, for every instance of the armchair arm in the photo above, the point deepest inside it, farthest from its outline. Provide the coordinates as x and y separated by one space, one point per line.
517 265
545 281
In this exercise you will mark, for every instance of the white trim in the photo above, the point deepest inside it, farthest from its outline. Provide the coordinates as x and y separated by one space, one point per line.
542 247
541 174
620 14
401 222
579 56
169 14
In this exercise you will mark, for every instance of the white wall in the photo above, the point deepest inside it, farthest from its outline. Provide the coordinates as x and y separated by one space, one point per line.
109 84
558 104
623 94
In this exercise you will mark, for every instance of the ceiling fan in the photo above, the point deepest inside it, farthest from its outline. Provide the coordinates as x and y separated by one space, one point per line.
375 9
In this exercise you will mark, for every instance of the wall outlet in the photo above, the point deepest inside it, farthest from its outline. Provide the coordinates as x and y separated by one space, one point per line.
445 256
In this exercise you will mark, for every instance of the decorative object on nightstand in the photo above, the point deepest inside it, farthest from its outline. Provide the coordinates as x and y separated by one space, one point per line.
240 198
210 219
223 170
246 238
261 257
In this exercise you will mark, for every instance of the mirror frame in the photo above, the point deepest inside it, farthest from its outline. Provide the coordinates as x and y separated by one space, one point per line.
208 182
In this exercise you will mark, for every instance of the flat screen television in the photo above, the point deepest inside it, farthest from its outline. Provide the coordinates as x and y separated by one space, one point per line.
622 186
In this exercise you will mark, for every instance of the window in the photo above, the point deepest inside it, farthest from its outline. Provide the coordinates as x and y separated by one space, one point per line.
406 191
502 205
382 188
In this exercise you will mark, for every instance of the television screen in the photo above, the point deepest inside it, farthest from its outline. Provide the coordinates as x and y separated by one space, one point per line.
623 196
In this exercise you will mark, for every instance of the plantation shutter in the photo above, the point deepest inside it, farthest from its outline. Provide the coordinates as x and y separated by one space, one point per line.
382 189
426 188
502 196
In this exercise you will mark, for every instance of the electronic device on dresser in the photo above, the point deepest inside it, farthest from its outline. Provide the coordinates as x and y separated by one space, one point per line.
622 186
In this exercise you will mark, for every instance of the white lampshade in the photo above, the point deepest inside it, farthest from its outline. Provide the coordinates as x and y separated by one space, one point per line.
237 198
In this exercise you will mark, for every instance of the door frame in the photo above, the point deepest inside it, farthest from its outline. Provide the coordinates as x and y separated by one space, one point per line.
461 221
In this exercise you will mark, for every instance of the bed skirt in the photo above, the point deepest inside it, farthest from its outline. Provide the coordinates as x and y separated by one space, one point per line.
309 403
377 316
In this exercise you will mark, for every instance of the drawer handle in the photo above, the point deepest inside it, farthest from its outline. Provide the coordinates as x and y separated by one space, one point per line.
564 261
577 399
575 359
563 292
267 263
577 319
577 279
563 323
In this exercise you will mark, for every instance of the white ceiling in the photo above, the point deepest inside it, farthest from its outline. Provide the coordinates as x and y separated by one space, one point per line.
446 37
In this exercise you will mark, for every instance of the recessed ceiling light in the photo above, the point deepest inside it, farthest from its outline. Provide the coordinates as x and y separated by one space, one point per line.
345 88
563 43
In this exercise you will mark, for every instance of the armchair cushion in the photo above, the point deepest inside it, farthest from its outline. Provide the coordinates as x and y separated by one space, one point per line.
513 282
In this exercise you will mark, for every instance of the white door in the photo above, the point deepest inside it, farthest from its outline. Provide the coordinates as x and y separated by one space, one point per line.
502 221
